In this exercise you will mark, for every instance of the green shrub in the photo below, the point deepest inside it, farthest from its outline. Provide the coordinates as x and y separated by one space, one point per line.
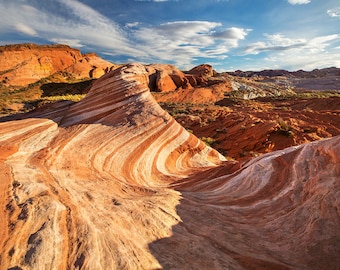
208 141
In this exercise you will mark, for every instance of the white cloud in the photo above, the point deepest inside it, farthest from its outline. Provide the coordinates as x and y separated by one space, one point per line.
293 54
71 42
86 26
182 42
232 33
298 2
25 29
275 42
335 12
132 24
319 44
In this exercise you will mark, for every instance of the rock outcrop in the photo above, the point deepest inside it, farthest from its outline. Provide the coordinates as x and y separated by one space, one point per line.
166 78
114 182
203 70
196 86
27 63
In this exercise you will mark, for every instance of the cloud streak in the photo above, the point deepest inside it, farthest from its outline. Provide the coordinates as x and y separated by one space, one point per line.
279 42
25 29
275 42
290 53
298 2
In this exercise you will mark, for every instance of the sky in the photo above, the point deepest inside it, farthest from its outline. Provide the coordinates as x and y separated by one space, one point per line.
227 34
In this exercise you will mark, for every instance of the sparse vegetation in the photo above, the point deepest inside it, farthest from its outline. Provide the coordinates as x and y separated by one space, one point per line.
51 99
284 128
59 86
208 141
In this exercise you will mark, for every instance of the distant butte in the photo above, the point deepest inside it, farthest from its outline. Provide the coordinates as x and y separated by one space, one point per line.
114 182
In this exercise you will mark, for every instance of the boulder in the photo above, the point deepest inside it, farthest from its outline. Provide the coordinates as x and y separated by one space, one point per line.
164 83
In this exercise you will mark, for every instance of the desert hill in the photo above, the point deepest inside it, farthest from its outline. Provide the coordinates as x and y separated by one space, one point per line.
23 64
114 182
33 74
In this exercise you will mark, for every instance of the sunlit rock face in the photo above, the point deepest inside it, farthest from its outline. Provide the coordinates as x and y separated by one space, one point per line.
23 64
114 182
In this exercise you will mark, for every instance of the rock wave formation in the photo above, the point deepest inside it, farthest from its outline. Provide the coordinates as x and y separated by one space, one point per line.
114 182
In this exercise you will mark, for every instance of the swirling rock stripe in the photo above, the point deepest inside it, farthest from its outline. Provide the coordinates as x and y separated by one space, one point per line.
114 182
86 185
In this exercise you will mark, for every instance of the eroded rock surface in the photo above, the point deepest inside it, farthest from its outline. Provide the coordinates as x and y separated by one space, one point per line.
114 182
27 63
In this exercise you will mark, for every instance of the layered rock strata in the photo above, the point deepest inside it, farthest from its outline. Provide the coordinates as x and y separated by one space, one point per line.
114 182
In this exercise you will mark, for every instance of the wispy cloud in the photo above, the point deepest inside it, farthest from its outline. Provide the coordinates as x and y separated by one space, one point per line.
76 43
335 12
298 2
279 42
184 41
293 53
275 42
25 29
83 26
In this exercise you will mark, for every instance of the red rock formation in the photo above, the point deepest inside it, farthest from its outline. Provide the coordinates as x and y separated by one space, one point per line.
113 182
90 66
165 78
177 86
203 70
27 63
164 82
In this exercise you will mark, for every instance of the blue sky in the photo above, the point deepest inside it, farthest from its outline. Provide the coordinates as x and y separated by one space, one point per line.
228 34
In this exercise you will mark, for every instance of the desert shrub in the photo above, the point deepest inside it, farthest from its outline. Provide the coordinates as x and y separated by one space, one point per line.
208 140
52 99
284 128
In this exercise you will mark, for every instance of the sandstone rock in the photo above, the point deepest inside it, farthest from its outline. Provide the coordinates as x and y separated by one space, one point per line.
27 63
171 76
192 79
179 79
164 83
90 66
203 70
96 73
167 78
115 183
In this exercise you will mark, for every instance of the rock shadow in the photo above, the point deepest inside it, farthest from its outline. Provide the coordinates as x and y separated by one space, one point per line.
222 225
